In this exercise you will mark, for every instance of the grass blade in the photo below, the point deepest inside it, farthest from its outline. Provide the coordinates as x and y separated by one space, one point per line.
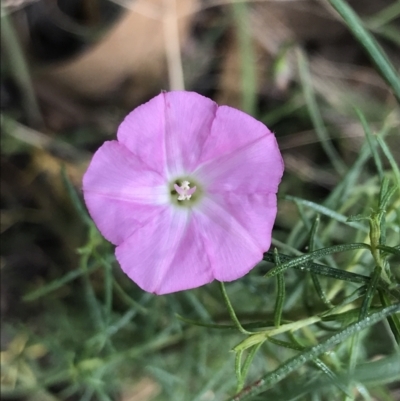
370 44
316 117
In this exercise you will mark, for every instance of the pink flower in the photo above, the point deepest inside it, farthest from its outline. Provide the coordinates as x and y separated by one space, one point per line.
187 193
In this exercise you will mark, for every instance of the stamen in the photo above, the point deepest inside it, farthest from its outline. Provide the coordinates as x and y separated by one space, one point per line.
184 191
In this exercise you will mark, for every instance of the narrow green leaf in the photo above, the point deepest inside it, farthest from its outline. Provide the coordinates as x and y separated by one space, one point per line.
128 300
279 113
108 291
368 41
384 201
304 259
394 320
321 269
356 294
389 249
280 295
359 217
19 69
247 363
371 288
320 291
238 370
376 373
314 277
296 345
383 370
75 198
371 142
383 190
315 115
347 317
310 354
261 336
341 191
389 32
390 158
112 329
285 344
384 16
348 181
93 305
327 212
56 284
313 233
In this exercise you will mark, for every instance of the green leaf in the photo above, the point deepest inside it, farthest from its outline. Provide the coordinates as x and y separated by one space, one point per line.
371 288
327 212
56 284
280 294
394 320
390 249
383 370
19 68
242 372
316 117
385 194
393 164
304 259
371 142
321 269
270 379
75 199
384 16
370 44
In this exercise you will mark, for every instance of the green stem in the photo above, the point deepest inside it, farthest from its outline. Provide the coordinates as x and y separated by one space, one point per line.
231 311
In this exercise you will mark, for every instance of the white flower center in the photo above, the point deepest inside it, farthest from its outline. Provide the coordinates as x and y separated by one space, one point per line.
184 191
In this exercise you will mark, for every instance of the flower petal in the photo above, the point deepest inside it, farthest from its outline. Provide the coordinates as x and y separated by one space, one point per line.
231 130
169 131
253 168
143 132
188 118
255 213
120 192
167 254
232 251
